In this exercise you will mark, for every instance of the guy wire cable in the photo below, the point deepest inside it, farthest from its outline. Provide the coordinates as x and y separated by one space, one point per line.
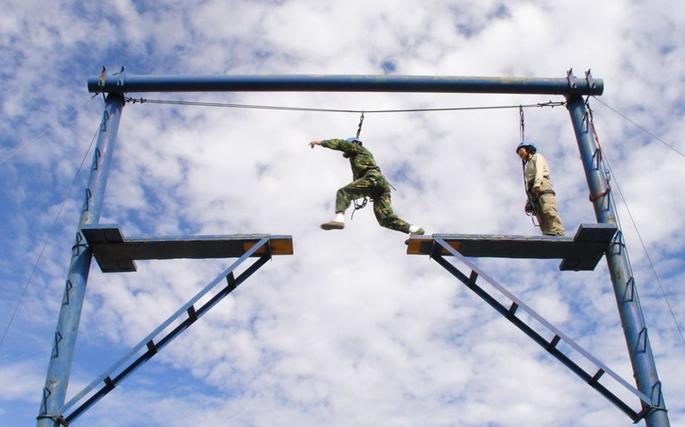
47 239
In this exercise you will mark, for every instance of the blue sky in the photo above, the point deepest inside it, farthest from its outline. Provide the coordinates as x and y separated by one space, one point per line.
350 330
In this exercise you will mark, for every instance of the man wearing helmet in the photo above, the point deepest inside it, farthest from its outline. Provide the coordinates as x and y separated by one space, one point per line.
541 197
368 181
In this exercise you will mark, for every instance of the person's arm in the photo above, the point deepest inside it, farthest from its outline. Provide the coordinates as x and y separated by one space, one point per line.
540 165
335 144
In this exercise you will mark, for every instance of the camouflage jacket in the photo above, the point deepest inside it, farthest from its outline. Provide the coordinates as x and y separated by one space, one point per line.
361 159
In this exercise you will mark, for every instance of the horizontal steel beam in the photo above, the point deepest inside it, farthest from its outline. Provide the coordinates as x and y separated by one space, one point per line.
125 83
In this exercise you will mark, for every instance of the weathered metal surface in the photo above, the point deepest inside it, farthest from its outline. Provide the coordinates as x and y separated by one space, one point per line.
114 253
66 332
582 252
127 83
623 283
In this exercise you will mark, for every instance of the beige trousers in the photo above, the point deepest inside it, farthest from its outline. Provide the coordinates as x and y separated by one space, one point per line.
550 223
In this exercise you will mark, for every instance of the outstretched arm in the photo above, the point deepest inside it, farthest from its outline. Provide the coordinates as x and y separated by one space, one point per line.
335 144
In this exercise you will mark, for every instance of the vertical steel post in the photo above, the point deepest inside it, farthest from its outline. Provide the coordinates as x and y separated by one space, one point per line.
625 289
59 368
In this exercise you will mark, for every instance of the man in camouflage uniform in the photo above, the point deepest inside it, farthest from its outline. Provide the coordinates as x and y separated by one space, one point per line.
541 197
368 181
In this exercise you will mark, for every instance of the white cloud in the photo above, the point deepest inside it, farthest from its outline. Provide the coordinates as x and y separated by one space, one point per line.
350 330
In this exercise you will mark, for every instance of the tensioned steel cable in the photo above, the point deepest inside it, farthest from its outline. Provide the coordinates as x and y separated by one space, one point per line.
335 110
47 239
637 231
23 144
642 128
644 248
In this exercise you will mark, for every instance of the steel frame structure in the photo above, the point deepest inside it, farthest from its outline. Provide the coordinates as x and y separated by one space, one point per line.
625 289
559 345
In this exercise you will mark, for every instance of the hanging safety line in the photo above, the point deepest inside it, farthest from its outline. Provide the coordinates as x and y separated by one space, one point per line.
530 211
608 172
523 123
359 128
337 110
357 204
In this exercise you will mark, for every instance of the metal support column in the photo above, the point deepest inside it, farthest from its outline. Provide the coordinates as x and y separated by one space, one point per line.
625 289
59 368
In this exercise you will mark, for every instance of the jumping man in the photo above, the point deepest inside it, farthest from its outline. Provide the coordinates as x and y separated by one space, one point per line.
368 181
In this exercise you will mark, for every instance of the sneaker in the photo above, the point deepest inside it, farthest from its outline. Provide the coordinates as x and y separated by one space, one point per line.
419 232
333 225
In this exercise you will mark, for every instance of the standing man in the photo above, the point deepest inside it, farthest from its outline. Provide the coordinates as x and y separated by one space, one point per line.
368 181
541 198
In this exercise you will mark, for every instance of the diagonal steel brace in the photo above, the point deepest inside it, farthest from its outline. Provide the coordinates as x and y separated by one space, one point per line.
108 380
593 380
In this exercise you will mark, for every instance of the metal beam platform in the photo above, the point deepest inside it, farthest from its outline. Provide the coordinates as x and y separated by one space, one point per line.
582 252
116 254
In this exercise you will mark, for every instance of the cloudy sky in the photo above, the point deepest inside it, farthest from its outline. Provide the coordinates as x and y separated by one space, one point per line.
350 331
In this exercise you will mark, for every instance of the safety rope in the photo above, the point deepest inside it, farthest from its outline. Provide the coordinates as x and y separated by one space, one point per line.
357 204
637 125
608 171
531 209
522 124
47 239
25 143
359 128
336 110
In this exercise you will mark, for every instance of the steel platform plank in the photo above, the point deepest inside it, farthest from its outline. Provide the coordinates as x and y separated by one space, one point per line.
114 253
582 252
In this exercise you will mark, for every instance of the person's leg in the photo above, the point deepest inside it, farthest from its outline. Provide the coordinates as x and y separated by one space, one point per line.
550 220
382 208
355 190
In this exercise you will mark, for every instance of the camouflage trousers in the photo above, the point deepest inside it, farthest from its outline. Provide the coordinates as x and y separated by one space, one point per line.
547 215
372 185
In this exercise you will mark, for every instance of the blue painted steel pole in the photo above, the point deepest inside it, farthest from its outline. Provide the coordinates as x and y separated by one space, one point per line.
625 289
59 368
126 83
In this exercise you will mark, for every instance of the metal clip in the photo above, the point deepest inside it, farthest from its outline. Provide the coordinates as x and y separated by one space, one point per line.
67 291
55 345
629 293
102 76
642 339
572 81
590 81
122 75
105 118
